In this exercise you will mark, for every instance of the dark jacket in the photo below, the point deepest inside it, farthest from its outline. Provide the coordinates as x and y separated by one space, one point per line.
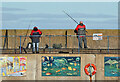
35 35
80 30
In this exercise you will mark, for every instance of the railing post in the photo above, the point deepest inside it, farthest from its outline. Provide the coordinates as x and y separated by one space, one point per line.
66 39
20 45
108 43
49 43
78 44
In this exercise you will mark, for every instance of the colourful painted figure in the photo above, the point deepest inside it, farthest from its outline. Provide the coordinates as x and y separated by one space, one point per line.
16 64
111 66
22 64
13 66
61 66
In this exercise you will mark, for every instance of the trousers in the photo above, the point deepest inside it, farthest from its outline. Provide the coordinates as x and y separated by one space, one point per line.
80 39
35 47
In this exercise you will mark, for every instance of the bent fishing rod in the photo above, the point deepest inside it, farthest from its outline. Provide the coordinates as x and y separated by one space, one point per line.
72 18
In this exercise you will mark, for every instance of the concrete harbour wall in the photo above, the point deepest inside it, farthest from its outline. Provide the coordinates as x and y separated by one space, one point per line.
34 68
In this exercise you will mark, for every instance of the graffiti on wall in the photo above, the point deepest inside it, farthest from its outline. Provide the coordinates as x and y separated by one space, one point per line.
111 66
61 66
13 66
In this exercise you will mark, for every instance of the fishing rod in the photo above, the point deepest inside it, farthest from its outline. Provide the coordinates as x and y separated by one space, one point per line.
27 32
25 38
72 18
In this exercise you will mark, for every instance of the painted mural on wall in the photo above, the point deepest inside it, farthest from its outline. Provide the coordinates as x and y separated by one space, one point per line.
61 66
111 66
13 66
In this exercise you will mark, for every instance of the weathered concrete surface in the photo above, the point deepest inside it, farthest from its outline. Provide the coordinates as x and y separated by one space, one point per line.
72 42
0 73
100 67
0 54
86 58
34 67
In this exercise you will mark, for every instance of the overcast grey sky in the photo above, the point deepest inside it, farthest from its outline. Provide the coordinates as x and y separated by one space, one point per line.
49 15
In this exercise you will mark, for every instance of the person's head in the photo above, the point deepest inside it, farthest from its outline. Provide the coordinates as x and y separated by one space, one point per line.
81 23
35 28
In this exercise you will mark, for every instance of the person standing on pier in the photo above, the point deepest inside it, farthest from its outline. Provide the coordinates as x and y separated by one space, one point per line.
35 35
81 31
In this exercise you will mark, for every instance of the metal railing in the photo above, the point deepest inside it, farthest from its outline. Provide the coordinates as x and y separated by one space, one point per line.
67 41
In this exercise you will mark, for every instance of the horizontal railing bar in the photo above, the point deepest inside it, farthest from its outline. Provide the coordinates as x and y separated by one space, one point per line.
56 36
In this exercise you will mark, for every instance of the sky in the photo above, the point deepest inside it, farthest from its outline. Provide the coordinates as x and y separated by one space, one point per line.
50 15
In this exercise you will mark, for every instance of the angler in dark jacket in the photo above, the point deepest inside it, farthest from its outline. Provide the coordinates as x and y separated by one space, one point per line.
35 35
81 31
